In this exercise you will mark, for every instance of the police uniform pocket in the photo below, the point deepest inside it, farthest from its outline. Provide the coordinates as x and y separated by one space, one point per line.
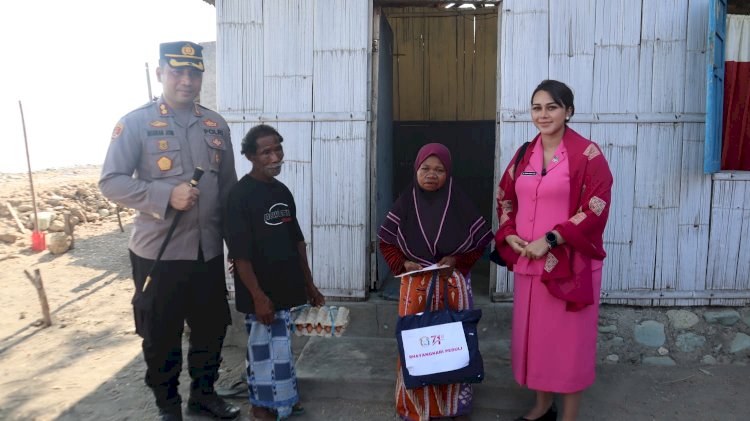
164 157
216 147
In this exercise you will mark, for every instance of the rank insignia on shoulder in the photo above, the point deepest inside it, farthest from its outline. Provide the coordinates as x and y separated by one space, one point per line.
119 127
164 163
163 145
158 123
217 142
163 110
210 123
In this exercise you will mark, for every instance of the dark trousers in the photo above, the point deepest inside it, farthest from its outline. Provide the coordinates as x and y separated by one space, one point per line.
180 290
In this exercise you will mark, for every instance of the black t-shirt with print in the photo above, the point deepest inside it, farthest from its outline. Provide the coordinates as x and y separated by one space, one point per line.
262 227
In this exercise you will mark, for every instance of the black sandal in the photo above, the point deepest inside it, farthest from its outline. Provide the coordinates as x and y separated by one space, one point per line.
550 415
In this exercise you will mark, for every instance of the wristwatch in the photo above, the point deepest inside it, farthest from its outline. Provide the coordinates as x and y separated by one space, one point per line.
551 239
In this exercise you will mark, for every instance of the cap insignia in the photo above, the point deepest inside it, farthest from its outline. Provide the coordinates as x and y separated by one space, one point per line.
158 123
188 50
164 163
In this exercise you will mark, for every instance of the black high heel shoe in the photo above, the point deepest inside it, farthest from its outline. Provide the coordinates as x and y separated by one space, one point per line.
550 415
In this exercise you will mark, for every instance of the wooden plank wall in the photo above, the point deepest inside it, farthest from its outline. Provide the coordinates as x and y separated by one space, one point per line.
523 62
615 86
340 153
443 70
287 87
667 230
239 26
305 57
729 255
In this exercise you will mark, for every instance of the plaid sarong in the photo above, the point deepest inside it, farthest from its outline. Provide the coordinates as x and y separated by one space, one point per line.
271 378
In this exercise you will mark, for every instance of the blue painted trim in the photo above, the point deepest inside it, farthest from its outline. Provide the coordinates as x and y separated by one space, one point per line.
717 23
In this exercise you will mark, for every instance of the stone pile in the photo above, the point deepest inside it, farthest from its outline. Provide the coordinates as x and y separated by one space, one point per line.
82 200
678 336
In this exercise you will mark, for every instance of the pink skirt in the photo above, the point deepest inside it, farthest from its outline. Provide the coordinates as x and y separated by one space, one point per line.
552 350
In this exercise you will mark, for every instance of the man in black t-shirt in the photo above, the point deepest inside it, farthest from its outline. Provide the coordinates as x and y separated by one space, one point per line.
271 272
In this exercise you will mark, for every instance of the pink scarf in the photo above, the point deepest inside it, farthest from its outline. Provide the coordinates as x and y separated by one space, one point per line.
567 268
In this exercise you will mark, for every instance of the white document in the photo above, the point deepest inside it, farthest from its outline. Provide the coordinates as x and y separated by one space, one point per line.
435 349
425 269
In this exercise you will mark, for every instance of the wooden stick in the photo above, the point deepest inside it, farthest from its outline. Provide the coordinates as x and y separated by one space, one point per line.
15 216
28 163
119 220
69 228
36 280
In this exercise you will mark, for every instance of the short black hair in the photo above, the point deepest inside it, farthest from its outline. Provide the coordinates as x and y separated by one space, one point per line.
560 93
250 141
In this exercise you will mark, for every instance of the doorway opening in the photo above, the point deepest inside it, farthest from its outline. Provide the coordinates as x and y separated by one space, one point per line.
436 82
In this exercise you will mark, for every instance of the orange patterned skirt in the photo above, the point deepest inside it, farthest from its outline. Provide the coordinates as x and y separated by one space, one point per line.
437 401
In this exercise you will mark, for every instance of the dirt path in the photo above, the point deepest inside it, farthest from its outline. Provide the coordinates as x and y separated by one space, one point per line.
45 370
88 364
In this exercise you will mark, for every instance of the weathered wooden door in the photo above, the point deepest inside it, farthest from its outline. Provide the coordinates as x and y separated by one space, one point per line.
381 140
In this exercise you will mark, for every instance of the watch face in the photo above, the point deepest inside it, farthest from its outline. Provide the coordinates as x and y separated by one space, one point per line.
551 238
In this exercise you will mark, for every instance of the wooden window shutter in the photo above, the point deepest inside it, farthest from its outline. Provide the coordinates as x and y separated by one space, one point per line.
717 23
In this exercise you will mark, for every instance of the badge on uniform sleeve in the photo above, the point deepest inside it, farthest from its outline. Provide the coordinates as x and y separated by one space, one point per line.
163 110
119 127
210 123
158 124
164 163
163 145
217 142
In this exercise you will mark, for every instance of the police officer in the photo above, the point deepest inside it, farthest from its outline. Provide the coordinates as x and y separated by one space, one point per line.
151 158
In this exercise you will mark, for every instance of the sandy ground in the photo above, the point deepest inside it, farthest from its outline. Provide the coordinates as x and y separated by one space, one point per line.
46 370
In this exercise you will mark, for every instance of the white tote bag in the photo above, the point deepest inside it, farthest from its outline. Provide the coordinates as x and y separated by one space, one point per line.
435 349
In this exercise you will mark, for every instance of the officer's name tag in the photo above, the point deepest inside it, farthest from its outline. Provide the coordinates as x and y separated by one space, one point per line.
528 173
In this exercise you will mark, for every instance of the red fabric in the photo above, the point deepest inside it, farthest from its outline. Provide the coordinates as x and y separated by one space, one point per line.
735 153
395 259
567 273
465 261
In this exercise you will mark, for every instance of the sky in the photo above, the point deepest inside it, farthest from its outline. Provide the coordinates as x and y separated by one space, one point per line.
77 67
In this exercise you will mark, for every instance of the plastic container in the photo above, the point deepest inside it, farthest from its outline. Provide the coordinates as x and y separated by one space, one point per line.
38 241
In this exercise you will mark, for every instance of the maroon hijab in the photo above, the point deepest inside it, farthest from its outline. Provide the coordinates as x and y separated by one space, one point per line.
427 226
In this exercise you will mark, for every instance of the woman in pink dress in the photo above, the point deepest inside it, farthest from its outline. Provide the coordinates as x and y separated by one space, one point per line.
552 210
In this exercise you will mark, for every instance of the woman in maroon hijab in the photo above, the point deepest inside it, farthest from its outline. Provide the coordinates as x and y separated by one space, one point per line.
433 221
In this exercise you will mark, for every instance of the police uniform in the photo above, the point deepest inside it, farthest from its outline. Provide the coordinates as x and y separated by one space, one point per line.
151 152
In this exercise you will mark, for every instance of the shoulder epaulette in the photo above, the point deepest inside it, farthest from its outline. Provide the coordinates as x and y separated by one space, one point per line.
142 107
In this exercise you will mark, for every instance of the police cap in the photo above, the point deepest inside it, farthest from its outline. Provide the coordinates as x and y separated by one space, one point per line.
182 54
